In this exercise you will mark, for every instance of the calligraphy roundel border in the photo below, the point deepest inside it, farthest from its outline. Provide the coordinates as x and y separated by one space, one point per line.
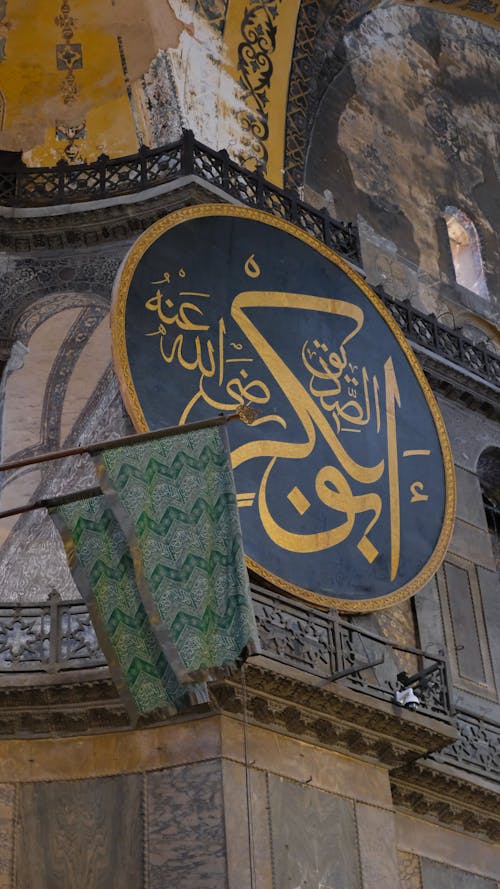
129 394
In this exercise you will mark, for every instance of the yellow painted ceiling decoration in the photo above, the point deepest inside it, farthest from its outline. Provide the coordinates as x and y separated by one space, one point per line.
83 77
109 75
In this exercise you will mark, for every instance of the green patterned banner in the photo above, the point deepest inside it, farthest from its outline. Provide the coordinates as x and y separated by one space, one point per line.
176 502
159 560
103 570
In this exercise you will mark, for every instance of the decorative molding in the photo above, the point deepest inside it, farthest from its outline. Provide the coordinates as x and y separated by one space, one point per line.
302 71
255 65
446 798
317 58
336 717
68 55
28 279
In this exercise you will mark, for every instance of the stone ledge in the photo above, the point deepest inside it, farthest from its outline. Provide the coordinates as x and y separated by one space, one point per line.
440 795
337 717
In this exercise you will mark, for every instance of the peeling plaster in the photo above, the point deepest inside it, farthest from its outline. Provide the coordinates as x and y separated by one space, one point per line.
409 125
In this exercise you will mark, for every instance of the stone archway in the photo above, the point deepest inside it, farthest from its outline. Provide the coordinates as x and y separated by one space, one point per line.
58 388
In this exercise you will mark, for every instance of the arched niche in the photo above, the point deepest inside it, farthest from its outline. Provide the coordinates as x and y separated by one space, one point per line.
58 388
465 248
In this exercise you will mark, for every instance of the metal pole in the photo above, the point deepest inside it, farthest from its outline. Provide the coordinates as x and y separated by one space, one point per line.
49 502
120 442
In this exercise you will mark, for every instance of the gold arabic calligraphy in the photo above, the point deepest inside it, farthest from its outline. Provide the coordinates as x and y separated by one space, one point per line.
339 397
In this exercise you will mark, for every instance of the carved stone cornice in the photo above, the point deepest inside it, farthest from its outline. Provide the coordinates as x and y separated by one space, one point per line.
440 795
334 716
101 222
456 383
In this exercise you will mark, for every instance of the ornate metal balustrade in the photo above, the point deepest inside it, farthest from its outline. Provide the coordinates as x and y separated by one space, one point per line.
426 331
47 638
58 636
116 177
478 747
331 649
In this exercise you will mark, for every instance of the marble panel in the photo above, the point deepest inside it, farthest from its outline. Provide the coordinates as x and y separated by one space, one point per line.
111 753
447 846
469 498
248 848
303 761
377 846
489 585
429 618
7 815
409 871
314 838
442 876
473 544
80 834
185 828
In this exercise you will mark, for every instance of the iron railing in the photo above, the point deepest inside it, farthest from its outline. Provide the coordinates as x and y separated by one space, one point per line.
477 748
117 177
425 330
330 648
58 636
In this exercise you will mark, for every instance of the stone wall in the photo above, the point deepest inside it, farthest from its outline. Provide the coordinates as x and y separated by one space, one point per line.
408 126
177 807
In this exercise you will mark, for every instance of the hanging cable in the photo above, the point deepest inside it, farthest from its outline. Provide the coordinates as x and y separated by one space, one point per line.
251 855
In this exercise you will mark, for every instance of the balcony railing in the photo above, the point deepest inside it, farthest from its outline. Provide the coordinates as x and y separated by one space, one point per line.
58 636
426 331
330 648
477 748
108 178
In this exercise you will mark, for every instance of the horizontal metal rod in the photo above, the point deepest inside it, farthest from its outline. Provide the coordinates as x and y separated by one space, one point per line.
357 668
49 502
119 442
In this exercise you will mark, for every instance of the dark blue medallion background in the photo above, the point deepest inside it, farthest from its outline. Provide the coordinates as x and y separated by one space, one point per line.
208 255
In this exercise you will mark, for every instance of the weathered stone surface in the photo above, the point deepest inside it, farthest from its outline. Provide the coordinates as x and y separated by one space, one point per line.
470 506
248 838
447 846
80 834
468 437
400 135
313 837
377 846
7 817
186 838
441 876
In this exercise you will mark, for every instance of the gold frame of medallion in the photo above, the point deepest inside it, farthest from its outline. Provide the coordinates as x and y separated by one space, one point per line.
129 394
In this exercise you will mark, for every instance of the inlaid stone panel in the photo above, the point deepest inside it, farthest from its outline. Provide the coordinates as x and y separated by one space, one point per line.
314 838
7 809
441 876
186 840
80 834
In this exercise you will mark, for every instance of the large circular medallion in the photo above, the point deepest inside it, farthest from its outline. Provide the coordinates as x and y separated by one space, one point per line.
345 480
